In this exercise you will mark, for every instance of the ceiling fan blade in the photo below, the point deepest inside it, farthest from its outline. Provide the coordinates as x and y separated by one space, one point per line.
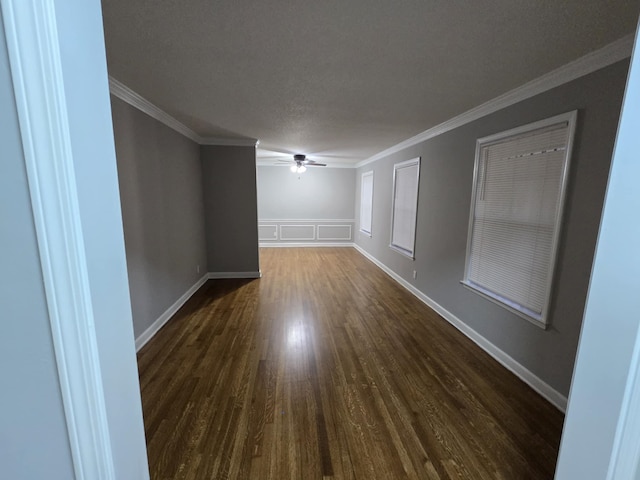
315 164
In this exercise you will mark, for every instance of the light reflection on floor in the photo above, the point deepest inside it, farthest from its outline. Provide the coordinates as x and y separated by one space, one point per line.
296 335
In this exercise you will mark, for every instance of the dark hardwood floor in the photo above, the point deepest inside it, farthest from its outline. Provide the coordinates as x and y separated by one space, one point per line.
326 368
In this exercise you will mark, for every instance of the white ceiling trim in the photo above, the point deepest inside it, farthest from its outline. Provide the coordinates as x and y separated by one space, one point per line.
608 55
127 95
232 142
267 163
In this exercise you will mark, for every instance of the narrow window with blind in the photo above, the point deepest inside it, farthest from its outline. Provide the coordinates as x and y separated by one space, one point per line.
518 192
406 176
366 202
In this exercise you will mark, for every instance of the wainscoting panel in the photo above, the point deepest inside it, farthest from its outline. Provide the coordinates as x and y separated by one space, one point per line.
298 232
267 233
305 232
334 232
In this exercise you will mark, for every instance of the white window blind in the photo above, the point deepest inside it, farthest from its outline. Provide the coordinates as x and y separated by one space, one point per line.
366 202
515 217
405 203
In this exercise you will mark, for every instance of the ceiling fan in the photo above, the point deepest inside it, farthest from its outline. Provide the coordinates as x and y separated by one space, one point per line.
300 163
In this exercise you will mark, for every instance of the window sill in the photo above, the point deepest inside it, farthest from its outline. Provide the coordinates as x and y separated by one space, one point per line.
538 322
402 251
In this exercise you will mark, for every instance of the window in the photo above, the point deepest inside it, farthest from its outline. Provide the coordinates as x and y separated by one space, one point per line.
518 192
366 202
405 204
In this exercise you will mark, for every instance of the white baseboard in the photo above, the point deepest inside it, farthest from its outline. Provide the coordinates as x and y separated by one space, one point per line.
305 244
535 382
218 275
164 318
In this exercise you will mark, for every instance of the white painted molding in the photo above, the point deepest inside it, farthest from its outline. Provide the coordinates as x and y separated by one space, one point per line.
330 164
608 55
535 382
285 238
624 463
34 53
304 245
127 95
347 238
272 230
307 220
589 63
220 275
626 448
229 141
149 333
316 240
124 93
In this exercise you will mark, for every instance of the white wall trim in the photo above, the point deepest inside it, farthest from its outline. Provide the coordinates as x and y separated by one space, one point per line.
589 63
535 382
127 95
229 141
219 275
124 93
626 448
348 238
608 55
330 164
308 220
150 332
36 69
624 461
304 245
274 232
284 238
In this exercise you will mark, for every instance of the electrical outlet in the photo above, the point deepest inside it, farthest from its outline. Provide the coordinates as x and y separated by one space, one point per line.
197 268
415 274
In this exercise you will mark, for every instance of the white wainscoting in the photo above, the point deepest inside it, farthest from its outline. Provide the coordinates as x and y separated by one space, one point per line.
305 232
298 232
267 233
334 232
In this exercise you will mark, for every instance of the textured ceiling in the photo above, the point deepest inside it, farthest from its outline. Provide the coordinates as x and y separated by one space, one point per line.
343 80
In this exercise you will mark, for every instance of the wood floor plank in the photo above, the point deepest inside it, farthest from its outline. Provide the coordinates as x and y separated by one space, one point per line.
326 368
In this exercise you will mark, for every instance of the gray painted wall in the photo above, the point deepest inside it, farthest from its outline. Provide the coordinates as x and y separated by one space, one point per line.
33 434
231 213
319 193
312 207
443 214
159 172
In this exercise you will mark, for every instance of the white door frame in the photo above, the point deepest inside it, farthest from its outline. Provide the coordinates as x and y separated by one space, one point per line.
36 69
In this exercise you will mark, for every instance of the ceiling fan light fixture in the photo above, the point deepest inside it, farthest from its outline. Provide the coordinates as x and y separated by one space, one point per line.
294 168
302 169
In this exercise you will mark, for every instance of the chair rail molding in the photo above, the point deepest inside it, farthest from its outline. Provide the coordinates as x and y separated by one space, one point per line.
589 63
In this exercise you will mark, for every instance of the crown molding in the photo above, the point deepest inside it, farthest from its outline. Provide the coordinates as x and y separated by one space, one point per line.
228 141
270 163
605 56
125 94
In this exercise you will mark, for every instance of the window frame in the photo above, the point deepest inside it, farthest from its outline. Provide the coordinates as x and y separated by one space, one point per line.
570 118
369 232
398 248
